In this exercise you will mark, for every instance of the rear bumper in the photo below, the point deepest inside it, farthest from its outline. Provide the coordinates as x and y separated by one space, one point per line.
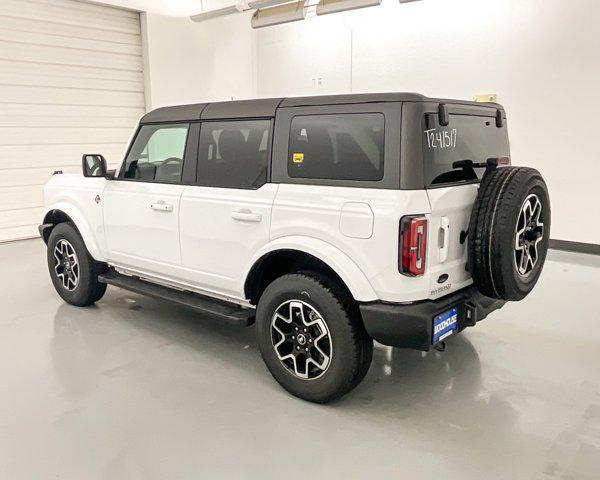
410 325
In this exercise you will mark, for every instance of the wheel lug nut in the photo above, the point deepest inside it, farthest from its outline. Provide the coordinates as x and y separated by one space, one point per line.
293 337
297 348
310 340
306 349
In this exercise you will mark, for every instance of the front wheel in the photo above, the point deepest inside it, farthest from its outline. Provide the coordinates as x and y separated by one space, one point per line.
312 339
73 271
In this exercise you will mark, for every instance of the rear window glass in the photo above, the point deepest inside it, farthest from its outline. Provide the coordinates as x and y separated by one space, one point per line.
337 147
465 138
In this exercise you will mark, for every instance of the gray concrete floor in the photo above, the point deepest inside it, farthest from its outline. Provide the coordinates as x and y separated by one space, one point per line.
135 388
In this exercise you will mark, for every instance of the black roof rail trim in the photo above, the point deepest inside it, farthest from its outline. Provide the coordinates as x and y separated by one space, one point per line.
267 107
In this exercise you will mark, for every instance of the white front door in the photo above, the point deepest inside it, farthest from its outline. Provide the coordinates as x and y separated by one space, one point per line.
141 207
225 218
141 225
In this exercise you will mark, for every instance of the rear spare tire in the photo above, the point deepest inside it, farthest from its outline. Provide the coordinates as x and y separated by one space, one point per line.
509 232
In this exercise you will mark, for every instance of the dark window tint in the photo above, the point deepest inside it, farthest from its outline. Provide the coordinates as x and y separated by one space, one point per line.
157 154
465 138
234 154
337 147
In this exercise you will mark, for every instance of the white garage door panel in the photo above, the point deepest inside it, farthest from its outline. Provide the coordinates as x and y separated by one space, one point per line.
47 120
62 30
60 136
18 233
71 82
71 71
54 156
66 96
32 38
14 198
20 218
68 56
65 13
27 79
32 176
70 110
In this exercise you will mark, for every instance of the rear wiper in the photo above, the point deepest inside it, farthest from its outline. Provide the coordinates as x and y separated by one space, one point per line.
490 163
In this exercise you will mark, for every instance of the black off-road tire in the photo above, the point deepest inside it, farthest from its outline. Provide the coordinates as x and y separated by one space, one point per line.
88 289
352 348
494 225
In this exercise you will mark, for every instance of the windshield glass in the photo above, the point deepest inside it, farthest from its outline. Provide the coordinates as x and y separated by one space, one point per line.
466 137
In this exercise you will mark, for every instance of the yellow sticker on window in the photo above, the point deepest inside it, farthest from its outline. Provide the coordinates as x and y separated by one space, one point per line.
298 158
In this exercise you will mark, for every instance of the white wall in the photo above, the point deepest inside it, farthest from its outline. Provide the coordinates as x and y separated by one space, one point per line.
189 62
540 56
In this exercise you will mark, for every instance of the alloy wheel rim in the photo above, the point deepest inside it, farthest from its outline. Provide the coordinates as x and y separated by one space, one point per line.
67 265
301 339
528 234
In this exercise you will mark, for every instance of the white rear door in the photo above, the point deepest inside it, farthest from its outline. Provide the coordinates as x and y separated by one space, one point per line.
225 218
449 222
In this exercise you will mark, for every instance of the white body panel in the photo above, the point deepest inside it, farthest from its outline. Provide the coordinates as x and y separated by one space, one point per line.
221 230
76 196
141 224
451 207
316 212
207 239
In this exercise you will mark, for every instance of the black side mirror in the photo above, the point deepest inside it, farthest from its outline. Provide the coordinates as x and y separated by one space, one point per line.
94 165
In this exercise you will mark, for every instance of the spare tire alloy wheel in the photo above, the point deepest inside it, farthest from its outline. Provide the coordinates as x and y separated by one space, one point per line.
301 339
529 233
67 265
509 232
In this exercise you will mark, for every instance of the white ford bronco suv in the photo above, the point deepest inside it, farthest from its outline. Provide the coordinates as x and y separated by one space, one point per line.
328 221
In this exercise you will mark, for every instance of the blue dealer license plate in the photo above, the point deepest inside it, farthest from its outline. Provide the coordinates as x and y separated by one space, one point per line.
445 324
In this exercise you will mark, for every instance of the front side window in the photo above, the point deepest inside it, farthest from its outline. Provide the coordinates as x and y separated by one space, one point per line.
157 154
337 147
234 154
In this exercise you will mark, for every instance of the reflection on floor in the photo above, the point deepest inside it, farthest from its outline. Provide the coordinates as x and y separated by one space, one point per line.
140 389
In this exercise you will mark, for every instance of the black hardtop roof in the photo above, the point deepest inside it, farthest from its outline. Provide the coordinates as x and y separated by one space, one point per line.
266 107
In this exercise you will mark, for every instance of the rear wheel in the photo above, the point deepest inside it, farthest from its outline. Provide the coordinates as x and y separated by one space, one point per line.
312 340
73 271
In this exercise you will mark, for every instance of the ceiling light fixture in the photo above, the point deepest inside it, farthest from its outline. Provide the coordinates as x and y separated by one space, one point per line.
325 7
264 4
219 12
286 13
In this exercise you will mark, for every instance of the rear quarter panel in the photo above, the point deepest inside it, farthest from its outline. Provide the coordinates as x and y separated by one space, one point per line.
322 212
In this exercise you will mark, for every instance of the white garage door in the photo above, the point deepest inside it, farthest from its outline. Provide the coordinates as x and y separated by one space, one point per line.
71 82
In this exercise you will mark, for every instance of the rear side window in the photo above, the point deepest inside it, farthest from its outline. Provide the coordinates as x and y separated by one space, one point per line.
337 147
157 154
234 154
466 137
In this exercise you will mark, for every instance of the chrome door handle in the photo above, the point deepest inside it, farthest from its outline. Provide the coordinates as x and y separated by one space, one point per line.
445 238
245 215
161 206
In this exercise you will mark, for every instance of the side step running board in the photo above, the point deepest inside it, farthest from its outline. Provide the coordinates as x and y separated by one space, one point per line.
215 308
